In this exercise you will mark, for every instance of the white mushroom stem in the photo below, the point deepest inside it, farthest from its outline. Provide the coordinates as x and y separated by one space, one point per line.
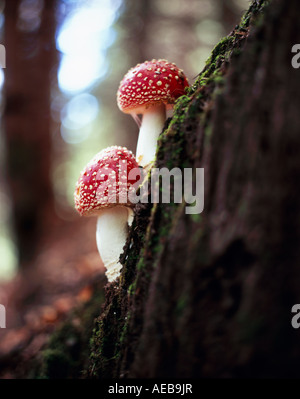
152 124
111 235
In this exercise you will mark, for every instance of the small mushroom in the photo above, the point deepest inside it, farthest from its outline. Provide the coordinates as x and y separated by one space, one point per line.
103 190
149 89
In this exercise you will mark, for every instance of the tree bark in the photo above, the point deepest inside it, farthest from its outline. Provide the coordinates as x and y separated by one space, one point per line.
31 57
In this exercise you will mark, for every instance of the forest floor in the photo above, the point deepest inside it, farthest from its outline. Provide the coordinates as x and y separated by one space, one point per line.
40 297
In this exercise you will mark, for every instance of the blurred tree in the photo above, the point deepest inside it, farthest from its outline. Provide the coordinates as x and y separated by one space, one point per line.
136 19
31 59
228 12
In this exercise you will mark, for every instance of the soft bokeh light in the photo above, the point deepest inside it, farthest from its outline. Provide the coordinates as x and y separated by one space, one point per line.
83 40
9 259
80 111
8 250
75 136
79 72
1 78
30 15
95 21
1 18
210 31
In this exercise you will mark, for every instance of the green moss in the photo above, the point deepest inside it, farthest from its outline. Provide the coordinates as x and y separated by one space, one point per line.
132 288
196 218
56 364
104 351
220 53
68 348
140 264
62 358
181 305
254 14
179 116
124 332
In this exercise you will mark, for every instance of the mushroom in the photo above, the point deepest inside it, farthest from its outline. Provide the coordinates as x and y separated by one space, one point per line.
149 89
103 190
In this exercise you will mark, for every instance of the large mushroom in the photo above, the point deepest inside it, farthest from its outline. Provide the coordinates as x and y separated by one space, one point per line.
149 89
103 190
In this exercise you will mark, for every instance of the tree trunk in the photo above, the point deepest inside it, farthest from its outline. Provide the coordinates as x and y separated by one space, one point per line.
31 57
210 294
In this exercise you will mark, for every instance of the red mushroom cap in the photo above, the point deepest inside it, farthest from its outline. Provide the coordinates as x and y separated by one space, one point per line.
104 180
150 83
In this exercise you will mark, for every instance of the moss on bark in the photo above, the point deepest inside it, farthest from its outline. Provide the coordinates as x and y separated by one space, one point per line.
67 352
119 329
198 295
